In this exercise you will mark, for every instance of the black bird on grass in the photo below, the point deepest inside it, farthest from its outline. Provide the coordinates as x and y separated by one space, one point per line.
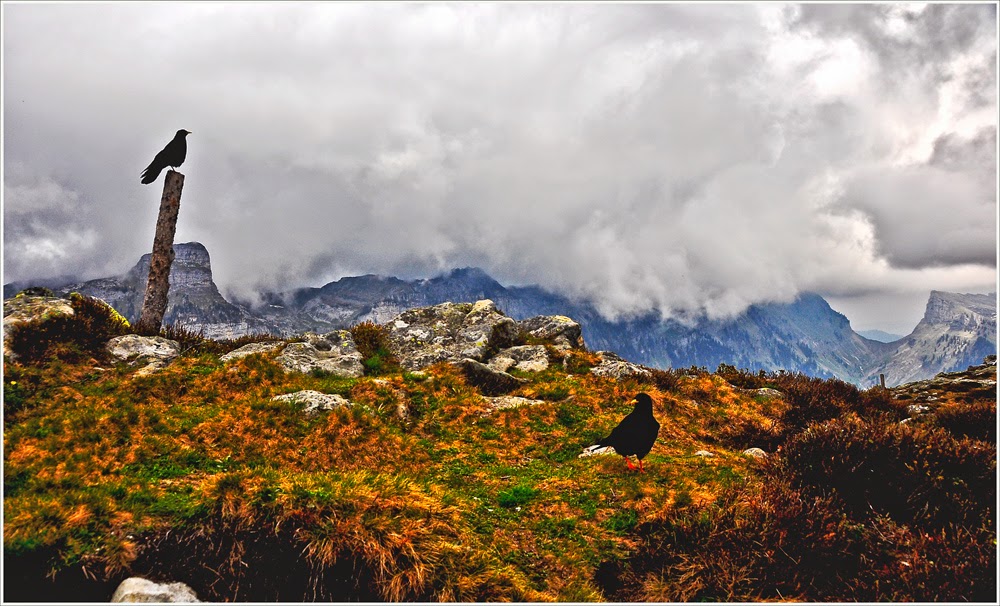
635 434
172 155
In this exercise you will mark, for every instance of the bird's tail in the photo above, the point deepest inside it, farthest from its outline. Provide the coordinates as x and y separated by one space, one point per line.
596 449
149 175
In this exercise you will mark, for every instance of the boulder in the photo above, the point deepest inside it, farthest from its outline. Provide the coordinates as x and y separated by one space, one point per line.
561 331
756 453
449 332
137 589
333 352
156 352
531 358
252 348
613 366
704 453
135 347
26 307
489 382
314 401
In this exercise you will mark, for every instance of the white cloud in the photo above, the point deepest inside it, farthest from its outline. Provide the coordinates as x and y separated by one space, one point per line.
671 157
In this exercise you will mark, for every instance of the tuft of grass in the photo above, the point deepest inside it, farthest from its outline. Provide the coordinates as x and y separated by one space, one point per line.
516 496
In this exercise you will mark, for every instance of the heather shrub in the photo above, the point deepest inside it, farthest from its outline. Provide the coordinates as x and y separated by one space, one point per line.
976 420
775 544
813 400
743 378
665 380
372 341
912 474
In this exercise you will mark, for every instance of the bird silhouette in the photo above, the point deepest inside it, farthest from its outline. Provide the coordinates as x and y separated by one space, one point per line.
635 434
172 155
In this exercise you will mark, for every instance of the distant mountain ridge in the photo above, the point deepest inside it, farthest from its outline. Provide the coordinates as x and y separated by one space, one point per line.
880 335
805 335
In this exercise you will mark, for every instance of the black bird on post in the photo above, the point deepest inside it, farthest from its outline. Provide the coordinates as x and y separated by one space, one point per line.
635 434
172 155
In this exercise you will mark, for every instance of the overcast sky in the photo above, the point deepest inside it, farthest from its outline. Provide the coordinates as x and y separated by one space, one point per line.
650 156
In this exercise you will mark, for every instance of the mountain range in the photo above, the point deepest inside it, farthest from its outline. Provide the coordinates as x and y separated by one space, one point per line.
805 335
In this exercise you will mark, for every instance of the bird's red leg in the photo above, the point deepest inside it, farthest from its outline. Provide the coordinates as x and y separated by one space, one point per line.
628 462
641 468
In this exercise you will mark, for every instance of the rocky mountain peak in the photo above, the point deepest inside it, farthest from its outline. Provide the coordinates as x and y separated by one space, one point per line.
967 310
192 267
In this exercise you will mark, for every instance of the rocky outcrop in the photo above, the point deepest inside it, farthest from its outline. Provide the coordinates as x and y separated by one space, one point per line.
450 332
562 332
139 590
529 358
24 308
334 352
977 382
489 382
613 366
314 401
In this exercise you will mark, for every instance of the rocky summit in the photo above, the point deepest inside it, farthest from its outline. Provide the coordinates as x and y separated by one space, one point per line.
194 301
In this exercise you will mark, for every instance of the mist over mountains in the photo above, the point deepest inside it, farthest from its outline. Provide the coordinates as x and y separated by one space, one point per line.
805 335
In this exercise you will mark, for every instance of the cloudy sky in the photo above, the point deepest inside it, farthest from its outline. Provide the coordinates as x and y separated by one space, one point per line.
652 156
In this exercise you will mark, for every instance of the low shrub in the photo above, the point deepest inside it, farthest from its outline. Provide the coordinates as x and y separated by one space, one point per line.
372 341
912 474
976 420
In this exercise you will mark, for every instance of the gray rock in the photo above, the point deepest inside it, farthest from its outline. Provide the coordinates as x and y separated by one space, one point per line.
596 450
755 452
704 453
490 382
449 332
561 331
24 308
333 352
506 402
156 352
314 401
250 349
917 409
137 589
530 358
613 366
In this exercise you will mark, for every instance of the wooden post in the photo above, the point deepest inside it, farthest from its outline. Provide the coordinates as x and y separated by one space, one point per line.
154 305
881 380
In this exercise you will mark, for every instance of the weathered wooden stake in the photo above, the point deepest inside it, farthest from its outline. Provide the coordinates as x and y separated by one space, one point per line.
154 305
881 380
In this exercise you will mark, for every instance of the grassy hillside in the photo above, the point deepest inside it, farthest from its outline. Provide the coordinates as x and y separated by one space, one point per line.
194 474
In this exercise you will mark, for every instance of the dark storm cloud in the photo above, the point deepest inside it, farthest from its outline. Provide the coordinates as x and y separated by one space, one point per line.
672 157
